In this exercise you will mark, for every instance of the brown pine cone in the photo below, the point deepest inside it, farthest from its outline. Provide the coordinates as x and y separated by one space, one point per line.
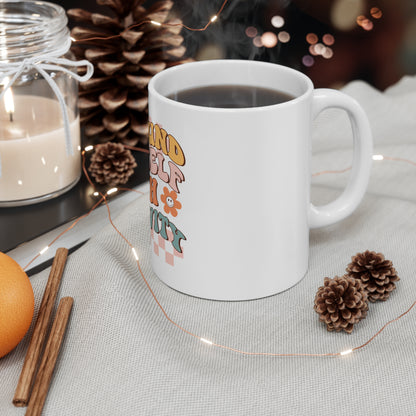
113 103
341 303
112 164
376 274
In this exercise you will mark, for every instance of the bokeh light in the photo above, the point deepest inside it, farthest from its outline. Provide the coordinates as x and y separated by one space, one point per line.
210 51
328 53
360 19
312 50
283 36
278 21
319 48
367 25
257 41
251 31
376 13
343 13
308 60
311 38
328 39
409 47
269 39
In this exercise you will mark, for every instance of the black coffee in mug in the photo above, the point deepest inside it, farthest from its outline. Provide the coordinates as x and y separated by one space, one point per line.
231 96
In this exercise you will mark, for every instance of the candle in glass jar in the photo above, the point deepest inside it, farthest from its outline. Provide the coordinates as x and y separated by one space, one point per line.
33 155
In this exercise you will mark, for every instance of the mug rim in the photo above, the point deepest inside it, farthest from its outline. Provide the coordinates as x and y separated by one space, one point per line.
152 87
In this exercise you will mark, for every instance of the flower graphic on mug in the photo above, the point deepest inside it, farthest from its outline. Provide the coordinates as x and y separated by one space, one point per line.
171 203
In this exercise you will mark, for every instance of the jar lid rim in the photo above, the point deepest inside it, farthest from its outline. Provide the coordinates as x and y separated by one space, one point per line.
56 13
30 27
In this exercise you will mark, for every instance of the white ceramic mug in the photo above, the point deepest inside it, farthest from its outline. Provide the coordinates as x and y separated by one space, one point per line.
230 208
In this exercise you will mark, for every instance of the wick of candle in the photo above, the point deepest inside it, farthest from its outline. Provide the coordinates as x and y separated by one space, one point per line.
11 116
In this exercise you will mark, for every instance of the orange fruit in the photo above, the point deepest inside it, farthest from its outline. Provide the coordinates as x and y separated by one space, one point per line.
17 304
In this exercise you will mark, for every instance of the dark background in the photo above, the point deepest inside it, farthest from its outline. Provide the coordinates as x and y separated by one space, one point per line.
381 55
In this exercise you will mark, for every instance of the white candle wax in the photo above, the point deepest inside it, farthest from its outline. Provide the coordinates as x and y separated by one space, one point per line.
32 149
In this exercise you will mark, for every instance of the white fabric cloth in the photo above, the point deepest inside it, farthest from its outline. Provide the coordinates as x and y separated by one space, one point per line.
122 357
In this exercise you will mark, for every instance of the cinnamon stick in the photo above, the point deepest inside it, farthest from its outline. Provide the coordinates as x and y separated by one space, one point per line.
47 366
27 376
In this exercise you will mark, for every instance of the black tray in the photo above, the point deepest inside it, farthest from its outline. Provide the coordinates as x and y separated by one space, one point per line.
21 224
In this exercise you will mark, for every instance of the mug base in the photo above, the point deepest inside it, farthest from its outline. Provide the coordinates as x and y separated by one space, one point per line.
234 298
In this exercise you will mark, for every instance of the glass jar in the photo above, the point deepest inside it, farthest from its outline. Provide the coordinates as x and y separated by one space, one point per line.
39 145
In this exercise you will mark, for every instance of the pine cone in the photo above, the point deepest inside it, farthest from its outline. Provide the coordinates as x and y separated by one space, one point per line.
112 164
376 274
113 103
341 303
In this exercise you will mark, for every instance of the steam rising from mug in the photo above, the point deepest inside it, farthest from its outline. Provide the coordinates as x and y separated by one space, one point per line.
226 38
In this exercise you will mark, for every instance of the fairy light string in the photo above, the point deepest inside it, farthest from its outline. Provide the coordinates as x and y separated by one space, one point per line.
204 340
64 232
375 157
160 24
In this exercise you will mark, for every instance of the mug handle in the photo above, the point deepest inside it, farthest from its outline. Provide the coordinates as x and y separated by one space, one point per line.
346 203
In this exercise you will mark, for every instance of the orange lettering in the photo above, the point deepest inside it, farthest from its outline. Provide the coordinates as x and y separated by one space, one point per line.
160 139
153 192
151 137
165 142
175 151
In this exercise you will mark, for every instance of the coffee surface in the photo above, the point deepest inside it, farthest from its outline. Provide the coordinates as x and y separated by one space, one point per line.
230 96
